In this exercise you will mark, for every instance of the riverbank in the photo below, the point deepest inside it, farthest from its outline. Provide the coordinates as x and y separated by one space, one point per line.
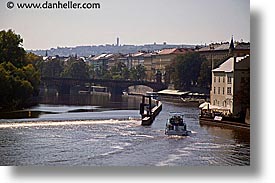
211 121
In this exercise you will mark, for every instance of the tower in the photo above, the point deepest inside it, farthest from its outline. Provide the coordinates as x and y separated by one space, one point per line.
117 41
231 47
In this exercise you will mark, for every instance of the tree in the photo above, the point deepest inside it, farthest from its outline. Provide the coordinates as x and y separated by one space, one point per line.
76 69
51 68
19 79
125 73
11 48
169 73
17 85
137 73
204 79
242 96
141 75
187 69
120 71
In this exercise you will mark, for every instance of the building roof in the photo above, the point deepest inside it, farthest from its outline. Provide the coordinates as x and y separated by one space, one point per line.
103 56
225 46
227 66
138 54
210 47
174 51
167 51
243 46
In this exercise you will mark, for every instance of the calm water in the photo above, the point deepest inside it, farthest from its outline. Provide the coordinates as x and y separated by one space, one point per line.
106 131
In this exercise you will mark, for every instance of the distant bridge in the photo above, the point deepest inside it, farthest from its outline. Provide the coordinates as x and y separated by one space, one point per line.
64 85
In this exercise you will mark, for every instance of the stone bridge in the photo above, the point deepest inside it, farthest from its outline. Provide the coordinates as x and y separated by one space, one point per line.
64 85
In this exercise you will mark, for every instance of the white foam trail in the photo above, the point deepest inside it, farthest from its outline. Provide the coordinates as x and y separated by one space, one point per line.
148 136
63 123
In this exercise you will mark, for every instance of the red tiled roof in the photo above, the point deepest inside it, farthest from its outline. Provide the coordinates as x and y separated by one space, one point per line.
174 51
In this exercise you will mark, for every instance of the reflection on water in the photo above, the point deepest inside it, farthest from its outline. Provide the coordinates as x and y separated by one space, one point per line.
103 100
104 131
54 104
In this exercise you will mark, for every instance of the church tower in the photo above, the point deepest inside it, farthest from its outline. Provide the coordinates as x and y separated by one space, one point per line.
231 47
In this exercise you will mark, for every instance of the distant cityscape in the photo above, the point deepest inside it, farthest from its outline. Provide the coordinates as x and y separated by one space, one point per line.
85 51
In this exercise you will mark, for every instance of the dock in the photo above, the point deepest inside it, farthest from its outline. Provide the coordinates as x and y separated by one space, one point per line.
211 121
149 109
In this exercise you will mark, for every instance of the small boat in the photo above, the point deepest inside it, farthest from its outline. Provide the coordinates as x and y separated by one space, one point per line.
176 126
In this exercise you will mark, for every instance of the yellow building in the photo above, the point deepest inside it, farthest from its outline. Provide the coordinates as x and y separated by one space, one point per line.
158 61
228 85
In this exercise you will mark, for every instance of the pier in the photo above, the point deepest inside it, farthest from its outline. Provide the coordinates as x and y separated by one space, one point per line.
150 107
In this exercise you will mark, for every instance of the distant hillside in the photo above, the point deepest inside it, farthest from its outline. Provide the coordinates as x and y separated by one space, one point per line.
95 50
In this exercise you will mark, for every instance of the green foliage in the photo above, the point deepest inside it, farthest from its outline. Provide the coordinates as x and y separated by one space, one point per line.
242 96
204 79
76 69
19 79
186 70
10 48
137 73
51 68
17 85
120 72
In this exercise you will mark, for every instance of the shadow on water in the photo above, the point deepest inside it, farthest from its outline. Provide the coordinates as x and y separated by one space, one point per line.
98 102
103 100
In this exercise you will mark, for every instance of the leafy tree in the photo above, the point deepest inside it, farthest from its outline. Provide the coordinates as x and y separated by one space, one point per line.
33 59
91 71
125 73
17 85
11 48
102 73
33 76
76 69
141 75
51 68
133 74
120 71
204 79
169 73
187 69
19 79
138 73
242 96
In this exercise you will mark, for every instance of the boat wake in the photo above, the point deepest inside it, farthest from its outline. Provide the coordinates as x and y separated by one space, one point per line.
64 123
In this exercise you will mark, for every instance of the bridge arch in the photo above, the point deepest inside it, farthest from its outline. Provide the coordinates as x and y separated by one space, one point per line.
115 86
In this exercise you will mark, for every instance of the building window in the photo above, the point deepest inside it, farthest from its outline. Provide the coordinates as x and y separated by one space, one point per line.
223 79
214 90
223 90
228 90
219 79
229 79
214 79
219 90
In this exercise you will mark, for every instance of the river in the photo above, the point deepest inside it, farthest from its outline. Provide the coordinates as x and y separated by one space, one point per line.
99 130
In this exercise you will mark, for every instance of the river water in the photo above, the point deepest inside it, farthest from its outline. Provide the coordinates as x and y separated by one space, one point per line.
99 130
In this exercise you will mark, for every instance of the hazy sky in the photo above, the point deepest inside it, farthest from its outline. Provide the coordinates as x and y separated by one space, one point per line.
134 22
